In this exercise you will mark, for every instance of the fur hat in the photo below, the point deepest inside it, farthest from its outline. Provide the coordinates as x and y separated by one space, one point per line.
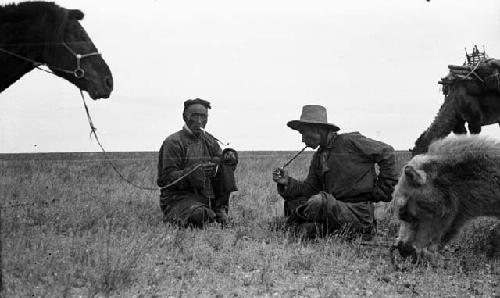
190 102
312 114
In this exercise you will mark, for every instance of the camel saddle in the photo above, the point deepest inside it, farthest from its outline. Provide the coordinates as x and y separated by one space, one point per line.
479 77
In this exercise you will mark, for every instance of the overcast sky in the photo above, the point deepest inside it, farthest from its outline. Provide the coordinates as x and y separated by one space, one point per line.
373 64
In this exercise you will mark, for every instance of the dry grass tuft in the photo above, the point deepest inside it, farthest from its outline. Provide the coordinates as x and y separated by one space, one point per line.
75 229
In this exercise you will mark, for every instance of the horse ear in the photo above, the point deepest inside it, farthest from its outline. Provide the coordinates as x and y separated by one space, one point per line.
413 176
75 14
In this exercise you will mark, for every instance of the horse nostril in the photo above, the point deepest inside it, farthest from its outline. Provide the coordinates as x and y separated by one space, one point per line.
109 82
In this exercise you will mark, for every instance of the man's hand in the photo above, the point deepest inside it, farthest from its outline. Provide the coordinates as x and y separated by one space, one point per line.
196 177
383 189
280 176
210 169
229 157
202 172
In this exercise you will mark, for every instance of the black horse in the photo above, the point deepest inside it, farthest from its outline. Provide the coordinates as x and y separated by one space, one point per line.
43 33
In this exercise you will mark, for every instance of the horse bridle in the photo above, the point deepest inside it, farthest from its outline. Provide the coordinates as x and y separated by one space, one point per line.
78 72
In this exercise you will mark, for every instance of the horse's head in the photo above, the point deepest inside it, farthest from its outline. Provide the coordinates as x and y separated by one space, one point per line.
75 58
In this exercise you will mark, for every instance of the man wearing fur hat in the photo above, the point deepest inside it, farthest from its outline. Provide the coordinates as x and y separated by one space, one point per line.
342 182
196 177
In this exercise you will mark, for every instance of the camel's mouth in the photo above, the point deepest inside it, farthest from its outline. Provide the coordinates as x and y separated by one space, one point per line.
406 250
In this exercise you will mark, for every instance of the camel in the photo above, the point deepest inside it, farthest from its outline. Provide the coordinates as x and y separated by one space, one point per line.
458 108
473 98
43 33
456 181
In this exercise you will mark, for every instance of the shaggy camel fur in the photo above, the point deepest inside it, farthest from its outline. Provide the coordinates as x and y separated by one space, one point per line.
438 192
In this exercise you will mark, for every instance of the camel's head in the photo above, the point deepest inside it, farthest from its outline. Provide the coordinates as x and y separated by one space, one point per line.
421 205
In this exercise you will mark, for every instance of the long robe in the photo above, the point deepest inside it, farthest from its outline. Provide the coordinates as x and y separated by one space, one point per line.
178 154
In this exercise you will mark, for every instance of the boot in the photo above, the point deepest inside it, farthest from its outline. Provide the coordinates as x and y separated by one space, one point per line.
221 216
309 230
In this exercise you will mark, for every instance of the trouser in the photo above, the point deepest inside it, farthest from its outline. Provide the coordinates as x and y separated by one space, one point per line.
187 209
330 214
190 208
223 184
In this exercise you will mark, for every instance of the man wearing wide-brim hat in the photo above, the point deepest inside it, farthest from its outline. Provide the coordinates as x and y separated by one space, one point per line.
342 182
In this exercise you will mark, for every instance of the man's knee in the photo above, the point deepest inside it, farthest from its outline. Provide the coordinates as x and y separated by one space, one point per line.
200 216
313 210
290 205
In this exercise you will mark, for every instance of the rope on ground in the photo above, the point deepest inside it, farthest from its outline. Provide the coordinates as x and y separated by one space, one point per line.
96 137
16 205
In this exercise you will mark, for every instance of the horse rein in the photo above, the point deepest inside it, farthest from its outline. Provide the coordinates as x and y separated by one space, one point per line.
78 72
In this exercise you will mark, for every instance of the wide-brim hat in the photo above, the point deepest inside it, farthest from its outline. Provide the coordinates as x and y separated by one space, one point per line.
312 114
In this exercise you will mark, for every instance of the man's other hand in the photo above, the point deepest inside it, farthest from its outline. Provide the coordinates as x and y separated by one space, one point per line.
229 157
209 169
199 173
280 176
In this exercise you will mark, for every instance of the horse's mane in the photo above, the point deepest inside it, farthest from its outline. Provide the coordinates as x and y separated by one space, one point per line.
28 29
19 12
48 17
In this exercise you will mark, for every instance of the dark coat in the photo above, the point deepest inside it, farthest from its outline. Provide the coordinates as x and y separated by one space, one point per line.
178 154
345 168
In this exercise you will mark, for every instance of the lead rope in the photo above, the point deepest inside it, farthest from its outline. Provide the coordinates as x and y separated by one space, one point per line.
93 132
35 63
96 137
78 72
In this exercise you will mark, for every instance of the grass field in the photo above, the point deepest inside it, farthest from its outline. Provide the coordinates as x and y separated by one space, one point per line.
71 227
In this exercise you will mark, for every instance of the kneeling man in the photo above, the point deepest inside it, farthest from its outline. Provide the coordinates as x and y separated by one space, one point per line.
342 182
196 177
